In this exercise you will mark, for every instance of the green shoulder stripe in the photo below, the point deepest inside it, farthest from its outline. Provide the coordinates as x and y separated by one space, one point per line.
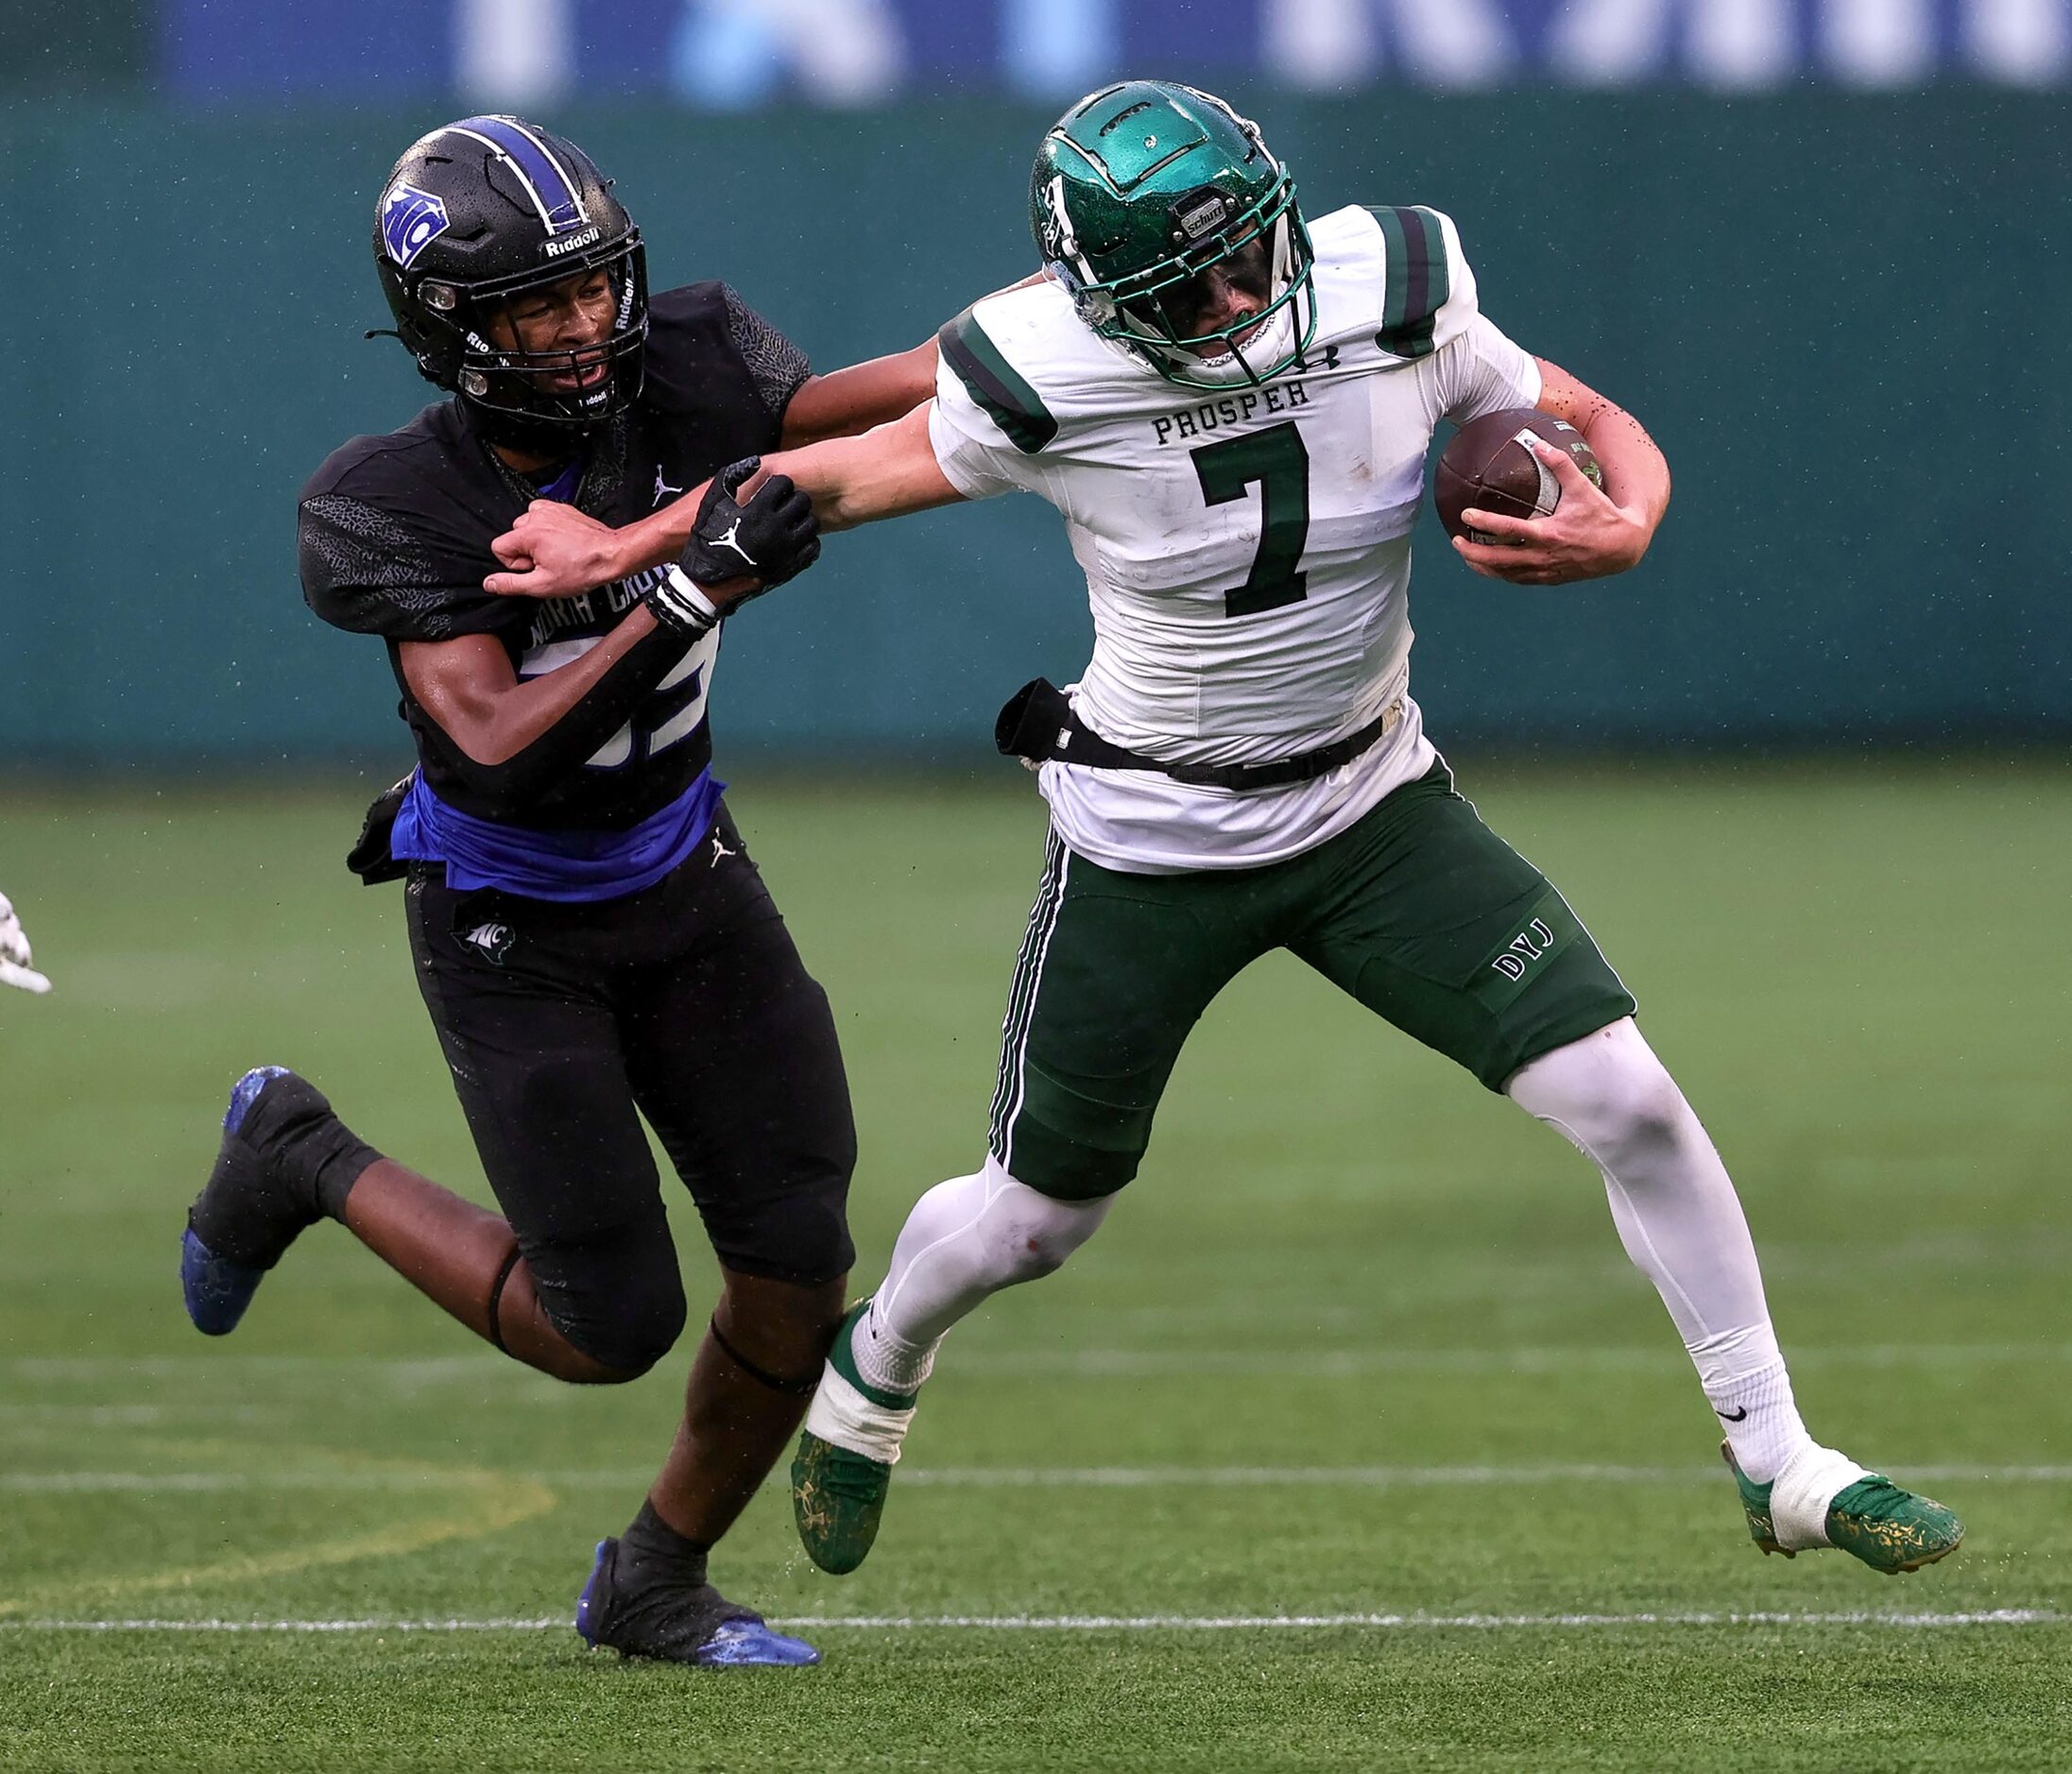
996 384
1415 283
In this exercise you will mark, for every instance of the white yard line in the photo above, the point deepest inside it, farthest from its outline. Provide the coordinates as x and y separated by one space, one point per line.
1129 1623
1008 1477
415 1372
1379 1477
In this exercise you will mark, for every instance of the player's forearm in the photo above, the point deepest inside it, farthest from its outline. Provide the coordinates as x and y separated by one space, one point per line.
839 477
884 473
654 540
1636 474
582 704
516 735
846 401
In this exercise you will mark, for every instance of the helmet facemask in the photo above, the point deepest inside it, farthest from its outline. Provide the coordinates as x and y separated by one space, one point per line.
515 384
1264 252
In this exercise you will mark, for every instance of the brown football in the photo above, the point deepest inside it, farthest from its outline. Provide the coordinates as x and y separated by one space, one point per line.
1485 468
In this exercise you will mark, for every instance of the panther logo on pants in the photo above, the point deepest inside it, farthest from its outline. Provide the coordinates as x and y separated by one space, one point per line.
493 941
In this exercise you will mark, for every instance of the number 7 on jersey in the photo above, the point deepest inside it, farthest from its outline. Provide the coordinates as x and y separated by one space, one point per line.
1277 462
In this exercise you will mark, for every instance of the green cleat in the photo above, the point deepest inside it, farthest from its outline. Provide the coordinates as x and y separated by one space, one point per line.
846 1456
1823 1498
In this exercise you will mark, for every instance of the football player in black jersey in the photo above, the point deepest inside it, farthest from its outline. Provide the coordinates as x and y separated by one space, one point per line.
591 938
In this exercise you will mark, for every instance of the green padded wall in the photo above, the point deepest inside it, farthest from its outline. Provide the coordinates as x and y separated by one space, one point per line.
1845 318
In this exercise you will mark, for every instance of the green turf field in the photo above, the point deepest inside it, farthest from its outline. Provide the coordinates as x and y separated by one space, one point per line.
1358 1348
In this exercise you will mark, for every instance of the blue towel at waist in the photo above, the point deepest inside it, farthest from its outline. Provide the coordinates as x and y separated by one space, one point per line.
563 865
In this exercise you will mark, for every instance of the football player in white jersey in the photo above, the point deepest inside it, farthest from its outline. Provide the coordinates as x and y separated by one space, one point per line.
1232 410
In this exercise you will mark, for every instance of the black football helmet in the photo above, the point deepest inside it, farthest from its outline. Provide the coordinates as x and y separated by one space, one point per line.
473 215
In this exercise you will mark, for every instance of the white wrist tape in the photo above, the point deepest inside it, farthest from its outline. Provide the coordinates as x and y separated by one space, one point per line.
678 603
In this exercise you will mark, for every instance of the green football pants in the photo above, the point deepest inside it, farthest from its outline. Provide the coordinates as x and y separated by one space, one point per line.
1419 911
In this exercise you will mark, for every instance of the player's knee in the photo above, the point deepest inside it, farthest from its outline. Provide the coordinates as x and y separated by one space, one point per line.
625 1319
1642 1113
1028 1234
640 1332
801 1238
1629 1104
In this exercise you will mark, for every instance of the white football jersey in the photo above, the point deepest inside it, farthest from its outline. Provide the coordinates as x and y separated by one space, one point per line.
1246 552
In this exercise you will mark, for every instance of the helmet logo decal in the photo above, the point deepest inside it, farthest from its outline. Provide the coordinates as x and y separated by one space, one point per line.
411 221
546 182
575 243
1064 243
1204 216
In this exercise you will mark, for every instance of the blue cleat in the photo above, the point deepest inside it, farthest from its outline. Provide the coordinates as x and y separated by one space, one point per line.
749 1644
678 1622
278 1132
217 1289
245 1092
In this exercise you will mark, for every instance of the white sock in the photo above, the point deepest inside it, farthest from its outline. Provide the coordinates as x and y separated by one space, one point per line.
966 1239
1681 1223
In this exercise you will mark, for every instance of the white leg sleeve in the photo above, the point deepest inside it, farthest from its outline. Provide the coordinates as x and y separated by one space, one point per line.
1681 1223
964 1239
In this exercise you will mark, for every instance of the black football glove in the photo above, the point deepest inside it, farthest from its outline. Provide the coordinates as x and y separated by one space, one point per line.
773 538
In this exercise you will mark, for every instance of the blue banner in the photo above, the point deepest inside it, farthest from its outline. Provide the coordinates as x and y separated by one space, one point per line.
740 54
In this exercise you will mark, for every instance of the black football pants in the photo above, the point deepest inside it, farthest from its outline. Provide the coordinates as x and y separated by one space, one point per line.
685 1003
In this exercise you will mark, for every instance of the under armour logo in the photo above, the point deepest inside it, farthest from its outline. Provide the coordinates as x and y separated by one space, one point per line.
720 850
662 487
731 539
493 940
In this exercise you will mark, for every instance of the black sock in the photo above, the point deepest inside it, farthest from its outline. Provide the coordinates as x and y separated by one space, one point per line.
300 1137
654 1551
340 1169
317 1146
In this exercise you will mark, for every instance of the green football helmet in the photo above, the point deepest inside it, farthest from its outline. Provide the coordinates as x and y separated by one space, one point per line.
1140 189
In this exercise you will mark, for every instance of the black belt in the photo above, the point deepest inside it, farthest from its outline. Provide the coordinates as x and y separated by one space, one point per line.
1038 723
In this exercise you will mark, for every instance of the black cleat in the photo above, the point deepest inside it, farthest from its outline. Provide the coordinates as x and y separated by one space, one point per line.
259 1196
677 1622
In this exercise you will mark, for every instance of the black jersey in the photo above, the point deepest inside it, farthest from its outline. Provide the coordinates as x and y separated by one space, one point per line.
395 539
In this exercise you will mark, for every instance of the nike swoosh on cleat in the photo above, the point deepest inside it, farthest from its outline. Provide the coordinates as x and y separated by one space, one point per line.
1731 1416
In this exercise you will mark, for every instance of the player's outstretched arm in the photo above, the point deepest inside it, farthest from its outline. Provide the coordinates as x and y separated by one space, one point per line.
736 535
844 402
884 473
556 551
1590 533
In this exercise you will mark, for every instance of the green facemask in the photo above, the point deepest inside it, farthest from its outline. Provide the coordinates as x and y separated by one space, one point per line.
1140 189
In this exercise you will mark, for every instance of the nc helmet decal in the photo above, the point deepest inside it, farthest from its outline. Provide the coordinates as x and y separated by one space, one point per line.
411 221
